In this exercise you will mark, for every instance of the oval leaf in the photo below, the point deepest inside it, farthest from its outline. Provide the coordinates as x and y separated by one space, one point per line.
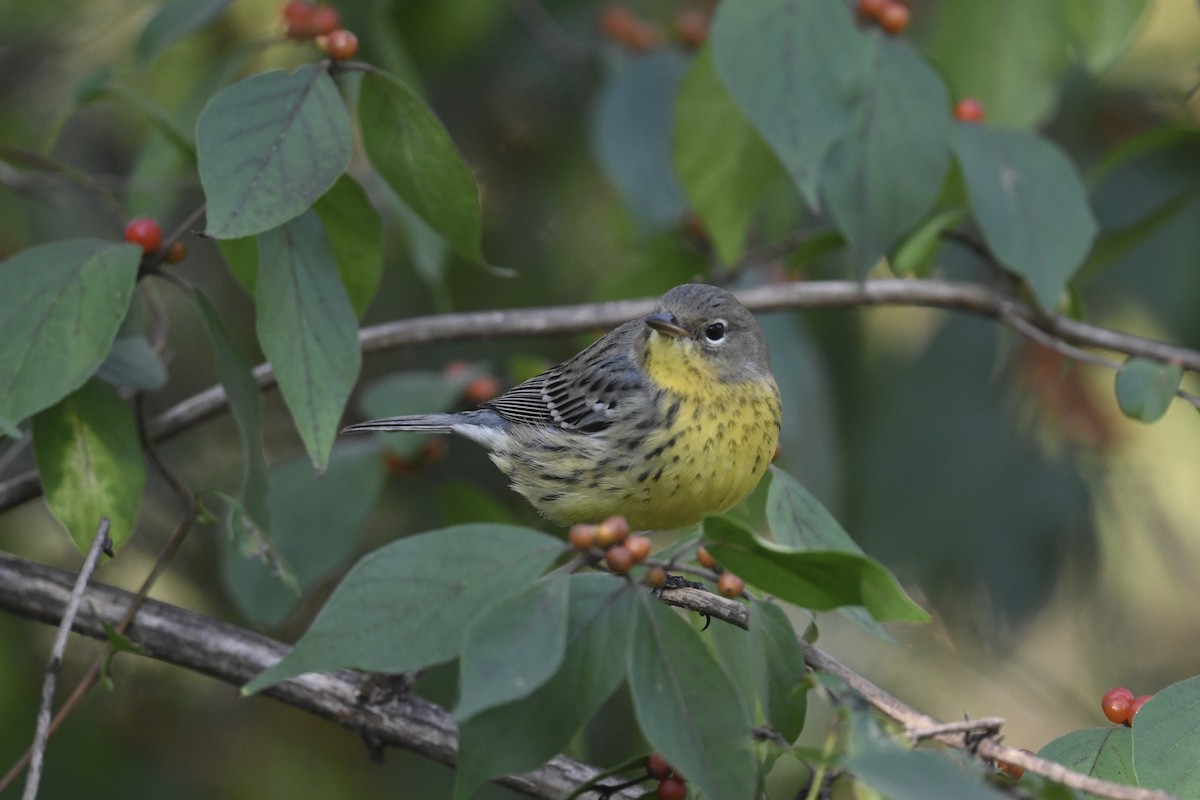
1105 753
796 67
721 160
519 736
1146 388
409 604
918 775
814 579
268 147
307 329
90 461
686 705
133 363
1166 740
61 306
1030 203
410 148
780 669
513 647
881 179
356 236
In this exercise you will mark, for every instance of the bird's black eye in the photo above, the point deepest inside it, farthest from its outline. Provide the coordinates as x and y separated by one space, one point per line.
715 331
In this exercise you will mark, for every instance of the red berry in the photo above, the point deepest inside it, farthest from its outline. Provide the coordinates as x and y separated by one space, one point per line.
298 15
623 26
1135 707
582 536
893 18
656 576
619 559
691 27
341 45
657 767
325 19
705 558
672 789
968 110
482 389
176 252
144 231
1116 703
639 547
871 9
730 585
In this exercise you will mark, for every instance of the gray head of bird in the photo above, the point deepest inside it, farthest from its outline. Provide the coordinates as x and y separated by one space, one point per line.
712 323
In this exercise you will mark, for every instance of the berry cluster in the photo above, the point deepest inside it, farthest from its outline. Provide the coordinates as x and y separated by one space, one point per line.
323 24
728 584
146 232
890 15
670 785
1120 706
625 27
612 535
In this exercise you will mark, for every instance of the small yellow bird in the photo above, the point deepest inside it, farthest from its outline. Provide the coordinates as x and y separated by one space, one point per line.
662 420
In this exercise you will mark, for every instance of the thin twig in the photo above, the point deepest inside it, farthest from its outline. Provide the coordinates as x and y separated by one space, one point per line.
557 320
101 543
983 725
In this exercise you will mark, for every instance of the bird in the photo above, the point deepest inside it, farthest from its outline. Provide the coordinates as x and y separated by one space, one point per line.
662 420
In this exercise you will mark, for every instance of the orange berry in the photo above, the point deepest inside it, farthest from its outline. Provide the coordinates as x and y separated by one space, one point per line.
342 45
298 16
893 18
1013 770
619 559
1116 703
624 27
639 547
144 231
482 389
1135 707
705 558
456 368
871 8
176 253
691 27
325 19
656 576
968 110
397 465
434 449
613 530
657 767
672 788
582 536
730 585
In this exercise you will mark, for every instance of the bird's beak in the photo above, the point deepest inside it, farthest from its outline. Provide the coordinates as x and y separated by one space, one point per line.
666 324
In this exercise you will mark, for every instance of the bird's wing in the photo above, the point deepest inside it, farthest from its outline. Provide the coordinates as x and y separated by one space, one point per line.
582 394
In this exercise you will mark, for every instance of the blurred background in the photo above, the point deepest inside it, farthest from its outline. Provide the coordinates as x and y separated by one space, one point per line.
1054 540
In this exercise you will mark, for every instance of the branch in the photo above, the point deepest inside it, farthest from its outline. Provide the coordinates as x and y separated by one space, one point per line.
100 543
557 320
235 655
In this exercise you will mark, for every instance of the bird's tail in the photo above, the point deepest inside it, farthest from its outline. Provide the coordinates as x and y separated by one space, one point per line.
423 423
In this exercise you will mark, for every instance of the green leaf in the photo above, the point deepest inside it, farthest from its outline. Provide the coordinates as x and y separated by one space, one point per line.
90 462
814 579
796 68
914 255
1102 29
519 736
780 669
245 405
1104 753
316 526
132 363
356 235
884 176
1030 203
1010 56
268 147
917 775
1166 740
632 127
799 521
1146 388
722 162
686 705
409 604
307 329
513 647
242 257
61 305
462 503
411 149
175 20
